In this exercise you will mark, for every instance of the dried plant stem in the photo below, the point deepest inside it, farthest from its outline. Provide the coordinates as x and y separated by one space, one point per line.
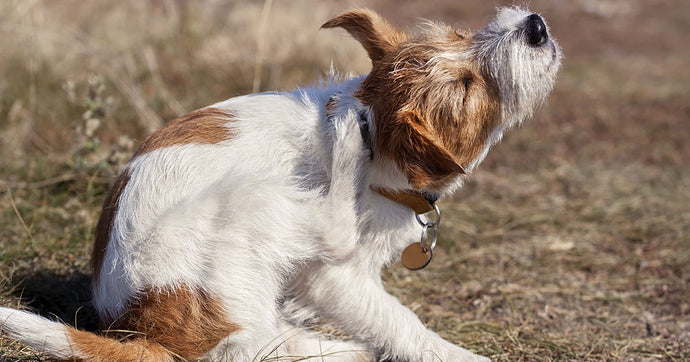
261 45
124 81
19 216
40 184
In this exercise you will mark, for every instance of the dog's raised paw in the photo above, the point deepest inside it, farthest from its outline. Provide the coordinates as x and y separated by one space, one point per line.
348 132
349 146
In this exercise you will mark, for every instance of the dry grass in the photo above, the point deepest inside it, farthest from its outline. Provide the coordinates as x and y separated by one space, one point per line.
572 241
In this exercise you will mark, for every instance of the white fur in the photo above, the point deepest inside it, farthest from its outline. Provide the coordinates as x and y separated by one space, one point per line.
520 69
280 225
37 332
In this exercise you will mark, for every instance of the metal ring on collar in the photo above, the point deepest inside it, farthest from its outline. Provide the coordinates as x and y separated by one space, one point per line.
434 238
433 223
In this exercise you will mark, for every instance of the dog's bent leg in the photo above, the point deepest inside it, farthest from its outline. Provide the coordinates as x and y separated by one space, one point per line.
352 298
284 342
305 345
341 229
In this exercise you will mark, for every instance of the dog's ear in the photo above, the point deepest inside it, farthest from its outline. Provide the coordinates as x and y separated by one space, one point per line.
419 153
375 34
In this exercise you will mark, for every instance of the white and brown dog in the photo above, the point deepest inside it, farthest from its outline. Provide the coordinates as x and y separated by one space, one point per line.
235 227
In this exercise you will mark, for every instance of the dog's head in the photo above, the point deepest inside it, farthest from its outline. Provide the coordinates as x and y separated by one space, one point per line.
441 97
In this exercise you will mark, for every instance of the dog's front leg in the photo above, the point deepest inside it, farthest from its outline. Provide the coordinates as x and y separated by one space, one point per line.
352 296
340 226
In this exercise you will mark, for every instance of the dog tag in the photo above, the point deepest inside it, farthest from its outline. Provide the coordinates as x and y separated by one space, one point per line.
414 257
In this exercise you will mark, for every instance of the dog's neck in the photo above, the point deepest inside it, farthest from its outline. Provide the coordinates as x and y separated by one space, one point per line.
419 201
398 191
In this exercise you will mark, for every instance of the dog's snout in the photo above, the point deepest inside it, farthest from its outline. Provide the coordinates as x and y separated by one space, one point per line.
536 30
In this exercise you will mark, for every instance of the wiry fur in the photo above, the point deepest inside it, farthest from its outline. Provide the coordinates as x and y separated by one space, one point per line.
234 228
522 83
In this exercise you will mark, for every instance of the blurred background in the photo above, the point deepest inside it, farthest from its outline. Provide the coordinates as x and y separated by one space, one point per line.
571 241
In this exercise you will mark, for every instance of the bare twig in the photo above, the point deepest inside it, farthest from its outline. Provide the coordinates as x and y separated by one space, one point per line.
19 216
152 65
132 92
261 45
41 184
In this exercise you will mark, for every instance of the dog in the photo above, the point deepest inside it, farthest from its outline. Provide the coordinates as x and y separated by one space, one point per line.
237 227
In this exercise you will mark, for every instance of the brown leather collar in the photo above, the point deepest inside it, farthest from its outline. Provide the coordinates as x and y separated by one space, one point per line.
420 202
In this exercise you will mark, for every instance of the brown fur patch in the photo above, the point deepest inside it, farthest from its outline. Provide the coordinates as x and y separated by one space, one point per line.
433 114
203 126
187 322
103 349
105 224
438 113
375 34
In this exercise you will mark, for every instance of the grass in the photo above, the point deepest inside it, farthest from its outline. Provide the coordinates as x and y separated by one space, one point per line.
571 242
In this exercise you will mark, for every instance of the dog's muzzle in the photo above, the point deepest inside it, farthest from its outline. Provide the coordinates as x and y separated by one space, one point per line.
535 30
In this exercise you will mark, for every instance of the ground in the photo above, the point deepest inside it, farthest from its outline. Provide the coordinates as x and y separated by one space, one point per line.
571 241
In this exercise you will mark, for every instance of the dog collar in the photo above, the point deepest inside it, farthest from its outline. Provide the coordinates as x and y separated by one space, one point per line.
420 202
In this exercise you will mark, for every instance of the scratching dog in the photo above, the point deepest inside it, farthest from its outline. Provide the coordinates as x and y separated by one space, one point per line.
235 228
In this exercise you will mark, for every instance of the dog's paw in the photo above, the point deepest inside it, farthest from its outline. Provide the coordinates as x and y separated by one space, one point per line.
351 138
455 354
438 349
471 357
350 155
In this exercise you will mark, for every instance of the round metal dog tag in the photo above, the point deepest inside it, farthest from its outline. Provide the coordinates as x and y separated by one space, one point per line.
416 257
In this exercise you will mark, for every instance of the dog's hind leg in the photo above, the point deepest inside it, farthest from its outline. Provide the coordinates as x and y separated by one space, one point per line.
304 345
283 342
341 229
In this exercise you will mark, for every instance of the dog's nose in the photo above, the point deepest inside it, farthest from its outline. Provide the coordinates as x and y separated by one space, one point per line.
536 30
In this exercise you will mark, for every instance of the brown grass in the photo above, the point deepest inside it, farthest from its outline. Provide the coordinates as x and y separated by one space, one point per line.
572 241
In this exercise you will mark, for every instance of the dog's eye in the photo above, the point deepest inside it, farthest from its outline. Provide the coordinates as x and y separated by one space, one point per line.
466 83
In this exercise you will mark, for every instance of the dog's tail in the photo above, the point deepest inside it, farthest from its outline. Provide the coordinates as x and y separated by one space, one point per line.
66 343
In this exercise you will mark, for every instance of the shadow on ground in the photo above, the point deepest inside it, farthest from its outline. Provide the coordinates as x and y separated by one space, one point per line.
67 298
